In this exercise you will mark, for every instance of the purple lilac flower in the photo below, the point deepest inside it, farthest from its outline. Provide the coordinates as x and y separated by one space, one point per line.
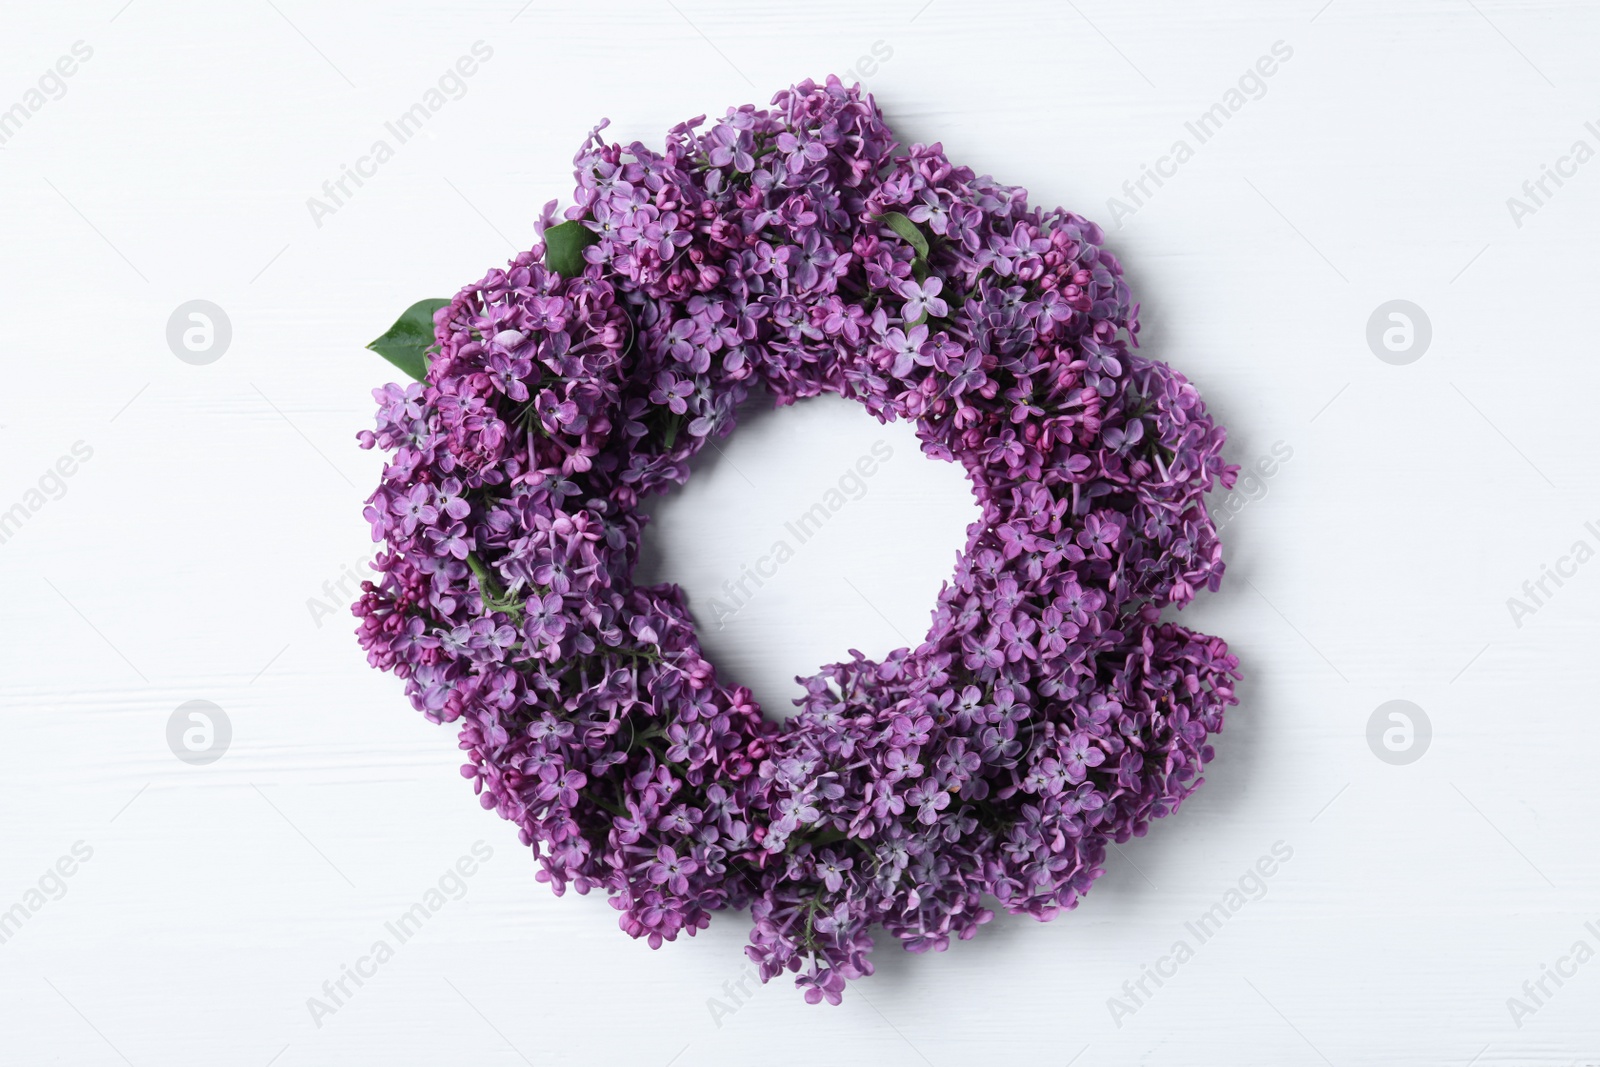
922 298
1046 712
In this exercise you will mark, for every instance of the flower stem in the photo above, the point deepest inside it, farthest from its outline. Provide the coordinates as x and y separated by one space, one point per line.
494 598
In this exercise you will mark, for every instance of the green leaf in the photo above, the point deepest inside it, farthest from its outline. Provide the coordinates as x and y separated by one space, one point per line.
408 340
564 245
907 229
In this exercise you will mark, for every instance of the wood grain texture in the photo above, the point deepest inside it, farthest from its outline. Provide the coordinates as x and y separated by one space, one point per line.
184 558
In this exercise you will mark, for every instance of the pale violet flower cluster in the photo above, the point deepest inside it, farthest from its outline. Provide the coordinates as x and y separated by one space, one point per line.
797 249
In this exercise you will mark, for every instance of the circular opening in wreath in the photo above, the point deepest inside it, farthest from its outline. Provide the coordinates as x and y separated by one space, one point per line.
809 531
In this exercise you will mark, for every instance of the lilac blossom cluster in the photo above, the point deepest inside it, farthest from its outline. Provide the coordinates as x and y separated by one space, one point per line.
799 250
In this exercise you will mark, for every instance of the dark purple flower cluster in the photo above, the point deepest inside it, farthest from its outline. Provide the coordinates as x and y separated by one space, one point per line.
1048 711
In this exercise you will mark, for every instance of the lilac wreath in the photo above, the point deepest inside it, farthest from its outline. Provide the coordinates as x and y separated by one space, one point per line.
1048 711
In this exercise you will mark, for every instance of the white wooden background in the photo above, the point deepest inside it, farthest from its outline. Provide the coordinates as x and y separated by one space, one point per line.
183 560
